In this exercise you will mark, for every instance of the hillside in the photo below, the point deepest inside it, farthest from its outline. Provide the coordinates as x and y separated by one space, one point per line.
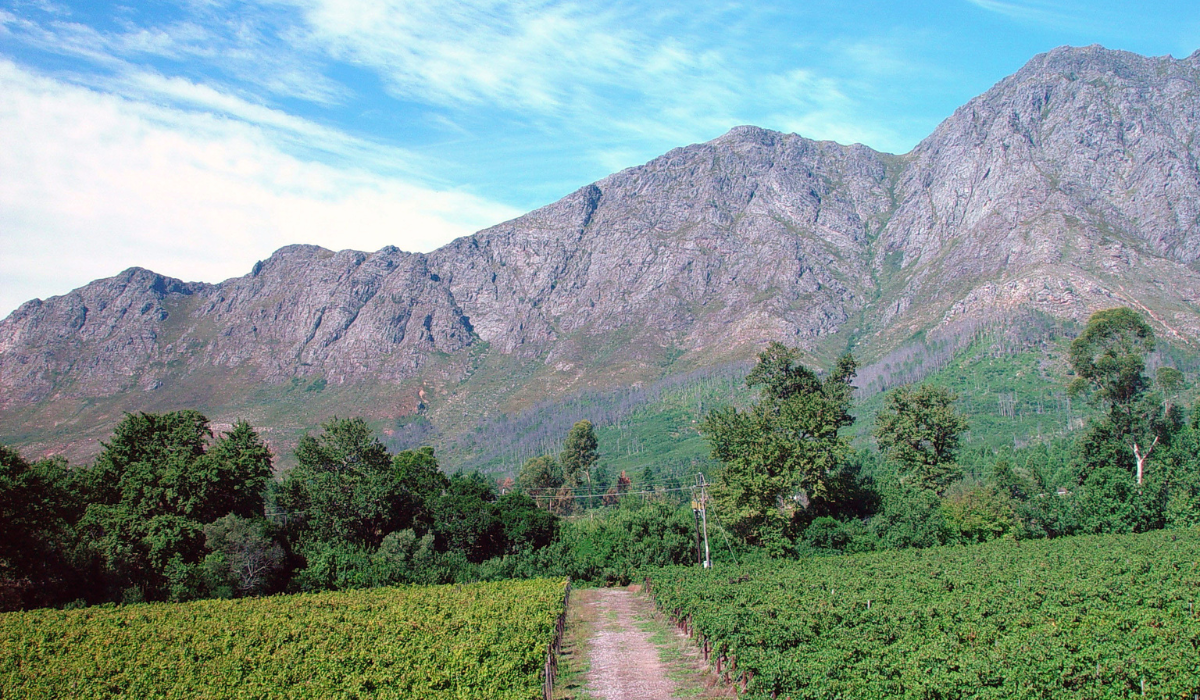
1070 186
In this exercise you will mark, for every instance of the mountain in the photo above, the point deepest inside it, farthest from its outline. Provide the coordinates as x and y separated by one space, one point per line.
1070 186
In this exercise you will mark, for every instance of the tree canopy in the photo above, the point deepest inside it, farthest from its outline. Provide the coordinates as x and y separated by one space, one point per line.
920 430
783 456
1108 357
1109 361
155 485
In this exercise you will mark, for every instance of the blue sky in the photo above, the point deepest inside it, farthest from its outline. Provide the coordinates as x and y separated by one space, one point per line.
196 137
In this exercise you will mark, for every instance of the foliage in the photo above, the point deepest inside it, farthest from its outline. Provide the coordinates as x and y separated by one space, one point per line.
481 640
1108 357
540 477
344 486
612 549
1109 360
155 485
1087 617
1181 476
578 454
979 513
244 559
36 511
785 453
372 520
909 517
465 519
920 430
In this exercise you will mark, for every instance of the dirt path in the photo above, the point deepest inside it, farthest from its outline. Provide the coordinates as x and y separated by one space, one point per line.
625 664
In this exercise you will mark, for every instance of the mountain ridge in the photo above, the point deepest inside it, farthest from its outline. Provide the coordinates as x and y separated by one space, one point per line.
1070 186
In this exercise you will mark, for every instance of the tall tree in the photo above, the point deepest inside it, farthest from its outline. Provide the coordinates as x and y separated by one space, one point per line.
784 454
345 486
36 514
578 454
919 429
1108 359
155 485
541 478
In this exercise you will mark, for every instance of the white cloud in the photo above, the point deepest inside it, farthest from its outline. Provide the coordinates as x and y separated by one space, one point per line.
619 71
523 54
92 183
1035 11
248 45
300 134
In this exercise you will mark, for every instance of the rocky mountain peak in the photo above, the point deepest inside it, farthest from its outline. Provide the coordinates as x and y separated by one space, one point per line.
1069 186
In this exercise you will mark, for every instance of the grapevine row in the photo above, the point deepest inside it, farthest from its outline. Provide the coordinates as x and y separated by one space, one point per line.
1085 617
460 641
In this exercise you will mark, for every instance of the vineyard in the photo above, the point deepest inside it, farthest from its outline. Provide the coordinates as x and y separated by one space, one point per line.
470 641
1082 617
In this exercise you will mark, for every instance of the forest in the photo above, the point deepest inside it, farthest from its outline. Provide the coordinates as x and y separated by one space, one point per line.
171 511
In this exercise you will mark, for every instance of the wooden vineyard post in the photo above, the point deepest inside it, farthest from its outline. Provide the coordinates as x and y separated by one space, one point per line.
551 668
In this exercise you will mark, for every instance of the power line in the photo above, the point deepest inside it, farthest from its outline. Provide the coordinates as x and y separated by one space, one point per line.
598 494
641 484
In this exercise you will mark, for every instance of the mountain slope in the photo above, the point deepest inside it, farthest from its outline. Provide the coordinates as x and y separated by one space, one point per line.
1070 186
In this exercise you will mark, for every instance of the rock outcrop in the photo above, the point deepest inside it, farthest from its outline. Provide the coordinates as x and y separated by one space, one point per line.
1071 185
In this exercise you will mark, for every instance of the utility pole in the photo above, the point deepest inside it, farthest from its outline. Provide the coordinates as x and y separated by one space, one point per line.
700 513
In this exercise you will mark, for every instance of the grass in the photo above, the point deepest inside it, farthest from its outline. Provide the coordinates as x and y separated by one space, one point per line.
685 666
573 663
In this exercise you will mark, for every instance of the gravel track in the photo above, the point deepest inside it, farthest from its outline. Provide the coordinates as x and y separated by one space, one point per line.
624 663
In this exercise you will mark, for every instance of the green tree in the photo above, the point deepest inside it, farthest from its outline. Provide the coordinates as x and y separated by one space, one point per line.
909 516
782 457
465 519
244 559
1108 359
422 480
526 527
1181 475
418 471
919 430
345 488
1170 381
37 510
540 477
155 485
578 454
979 513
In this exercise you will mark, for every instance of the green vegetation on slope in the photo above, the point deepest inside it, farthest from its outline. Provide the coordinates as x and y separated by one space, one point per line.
1083 617
481 640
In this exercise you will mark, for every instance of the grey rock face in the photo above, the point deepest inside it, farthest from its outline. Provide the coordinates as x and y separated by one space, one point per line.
1078 173
349 315
98 338
1070 186
750 236
305 311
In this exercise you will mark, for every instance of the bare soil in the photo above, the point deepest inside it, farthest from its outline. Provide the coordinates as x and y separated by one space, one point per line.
624 663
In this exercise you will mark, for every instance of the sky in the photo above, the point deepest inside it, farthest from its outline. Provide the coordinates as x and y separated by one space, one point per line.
196 137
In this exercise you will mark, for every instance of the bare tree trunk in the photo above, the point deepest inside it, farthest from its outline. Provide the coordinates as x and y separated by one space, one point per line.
1142 457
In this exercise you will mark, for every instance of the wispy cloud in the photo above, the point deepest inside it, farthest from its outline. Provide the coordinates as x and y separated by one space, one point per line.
248 44
523 54
1028 11
175 140
91 183
623 71
300 135
616 71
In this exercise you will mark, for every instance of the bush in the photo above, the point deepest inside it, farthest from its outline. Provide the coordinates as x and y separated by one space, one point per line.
977 513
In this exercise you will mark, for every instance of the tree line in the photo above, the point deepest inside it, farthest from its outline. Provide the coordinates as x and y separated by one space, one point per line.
170 511
791 484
